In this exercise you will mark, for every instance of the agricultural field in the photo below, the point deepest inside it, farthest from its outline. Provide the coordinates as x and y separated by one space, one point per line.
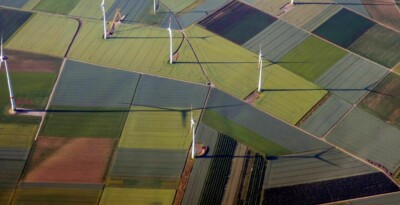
344 28
330 190
237 22
379 44
368 137
351 77
276 40
141 50
358 6
153 128
198 11
254 189
258 130
273 7
69 160
90 9
325 116
286 95
393 198
218 173
312 58
63 196
383 101
11 21
45 34
13 3
177 5
79 85
385 12
310 16
311 167
117 196
55 6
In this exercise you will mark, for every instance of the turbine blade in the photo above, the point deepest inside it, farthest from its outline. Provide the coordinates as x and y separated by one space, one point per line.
1 48
0 65
170 19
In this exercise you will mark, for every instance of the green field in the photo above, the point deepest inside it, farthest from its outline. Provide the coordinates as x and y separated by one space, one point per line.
45 34
17 135
68 121
379 44
177 5
56 6
152 128
59 196
312 58
287 95
242 134
11 20
136 48
125 196
90 8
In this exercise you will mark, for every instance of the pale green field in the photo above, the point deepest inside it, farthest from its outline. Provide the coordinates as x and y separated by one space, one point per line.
151 128
397 68
90 8
177 5
30 4
287 95
234 70
136 48
125 196
45 34
17 135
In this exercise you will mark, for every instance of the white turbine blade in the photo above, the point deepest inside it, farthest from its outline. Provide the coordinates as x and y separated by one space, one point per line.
1 49
102 4
169 27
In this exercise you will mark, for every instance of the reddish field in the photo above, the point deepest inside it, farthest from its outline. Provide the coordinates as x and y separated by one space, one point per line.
66 160
28 62
384 11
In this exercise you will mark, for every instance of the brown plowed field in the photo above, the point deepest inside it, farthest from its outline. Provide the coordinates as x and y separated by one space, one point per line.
384 11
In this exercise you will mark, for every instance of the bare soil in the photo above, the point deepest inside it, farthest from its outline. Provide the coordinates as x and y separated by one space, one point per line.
19 61
384 11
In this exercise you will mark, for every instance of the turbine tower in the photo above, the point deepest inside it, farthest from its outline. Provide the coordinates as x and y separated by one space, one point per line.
193 128
170 42
260 67
104 19
154 6
4 58
292 2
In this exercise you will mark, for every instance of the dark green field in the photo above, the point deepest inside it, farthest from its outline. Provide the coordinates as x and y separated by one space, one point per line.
56 6
344 28
10 21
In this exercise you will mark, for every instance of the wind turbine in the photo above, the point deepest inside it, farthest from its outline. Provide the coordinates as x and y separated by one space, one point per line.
292 2
154 6
104 19
170 42
260 67
193 128
4 58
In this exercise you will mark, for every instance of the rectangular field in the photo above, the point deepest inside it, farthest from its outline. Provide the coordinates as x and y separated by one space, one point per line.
45 34
385 12
240 120
383 101
56 6
137 48
312 58
321 18
276 40
90 9
89 85
327 115
312 167
69 160
344 28
351 77
10 21
148 163
286 95
63 121
379 44
166 93
13 3
237 22
59 196
118 196
17 135
153 128
368 137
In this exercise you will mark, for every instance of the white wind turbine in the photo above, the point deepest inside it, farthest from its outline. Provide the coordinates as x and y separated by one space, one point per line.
104 19
170 42
4 58
260 67
193 128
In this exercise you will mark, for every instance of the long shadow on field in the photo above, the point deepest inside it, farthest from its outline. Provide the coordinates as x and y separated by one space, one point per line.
317 156
233 62
334 3
226 156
